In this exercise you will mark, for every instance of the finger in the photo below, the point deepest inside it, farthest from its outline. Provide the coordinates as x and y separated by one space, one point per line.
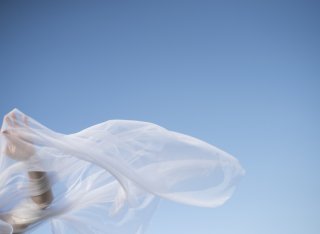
8 121
26 120
14 118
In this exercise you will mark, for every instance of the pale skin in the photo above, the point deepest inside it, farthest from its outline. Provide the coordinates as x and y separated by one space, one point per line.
20 150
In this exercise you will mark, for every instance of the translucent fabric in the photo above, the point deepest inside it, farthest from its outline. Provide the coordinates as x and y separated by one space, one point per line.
107 178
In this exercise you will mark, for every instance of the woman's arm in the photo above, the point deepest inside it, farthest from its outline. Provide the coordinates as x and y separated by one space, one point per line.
39 182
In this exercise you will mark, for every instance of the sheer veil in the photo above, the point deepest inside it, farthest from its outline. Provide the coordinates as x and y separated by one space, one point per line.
108 178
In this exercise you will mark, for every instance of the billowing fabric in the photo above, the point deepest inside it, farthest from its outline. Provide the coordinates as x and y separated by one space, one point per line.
107 178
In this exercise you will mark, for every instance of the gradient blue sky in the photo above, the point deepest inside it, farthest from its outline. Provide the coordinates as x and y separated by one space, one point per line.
242 75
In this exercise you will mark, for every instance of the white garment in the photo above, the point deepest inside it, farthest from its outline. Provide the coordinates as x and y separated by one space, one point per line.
109 177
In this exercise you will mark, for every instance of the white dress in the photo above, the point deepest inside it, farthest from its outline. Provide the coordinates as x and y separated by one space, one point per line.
109 177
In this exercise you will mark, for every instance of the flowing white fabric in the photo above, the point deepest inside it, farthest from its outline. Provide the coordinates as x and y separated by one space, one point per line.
107 178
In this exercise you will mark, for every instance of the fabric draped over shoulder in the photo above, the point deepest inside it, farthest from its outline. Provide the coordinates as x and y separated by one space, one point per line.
108 178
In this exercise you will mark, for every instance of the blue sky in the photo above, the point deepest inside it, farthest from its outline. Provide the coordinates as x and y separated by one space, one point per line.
242 75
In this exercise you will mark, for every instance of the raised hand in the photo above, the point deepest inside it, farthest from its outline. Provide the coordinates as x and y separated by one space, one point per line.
17 146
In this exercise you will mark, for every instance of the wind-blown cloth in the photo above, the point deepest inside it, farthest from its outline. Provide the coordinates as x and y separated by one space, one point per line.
107 178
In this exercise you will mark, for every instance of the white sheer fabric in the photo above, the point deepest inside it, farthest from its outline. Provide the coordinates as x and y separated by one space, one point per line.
107 178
